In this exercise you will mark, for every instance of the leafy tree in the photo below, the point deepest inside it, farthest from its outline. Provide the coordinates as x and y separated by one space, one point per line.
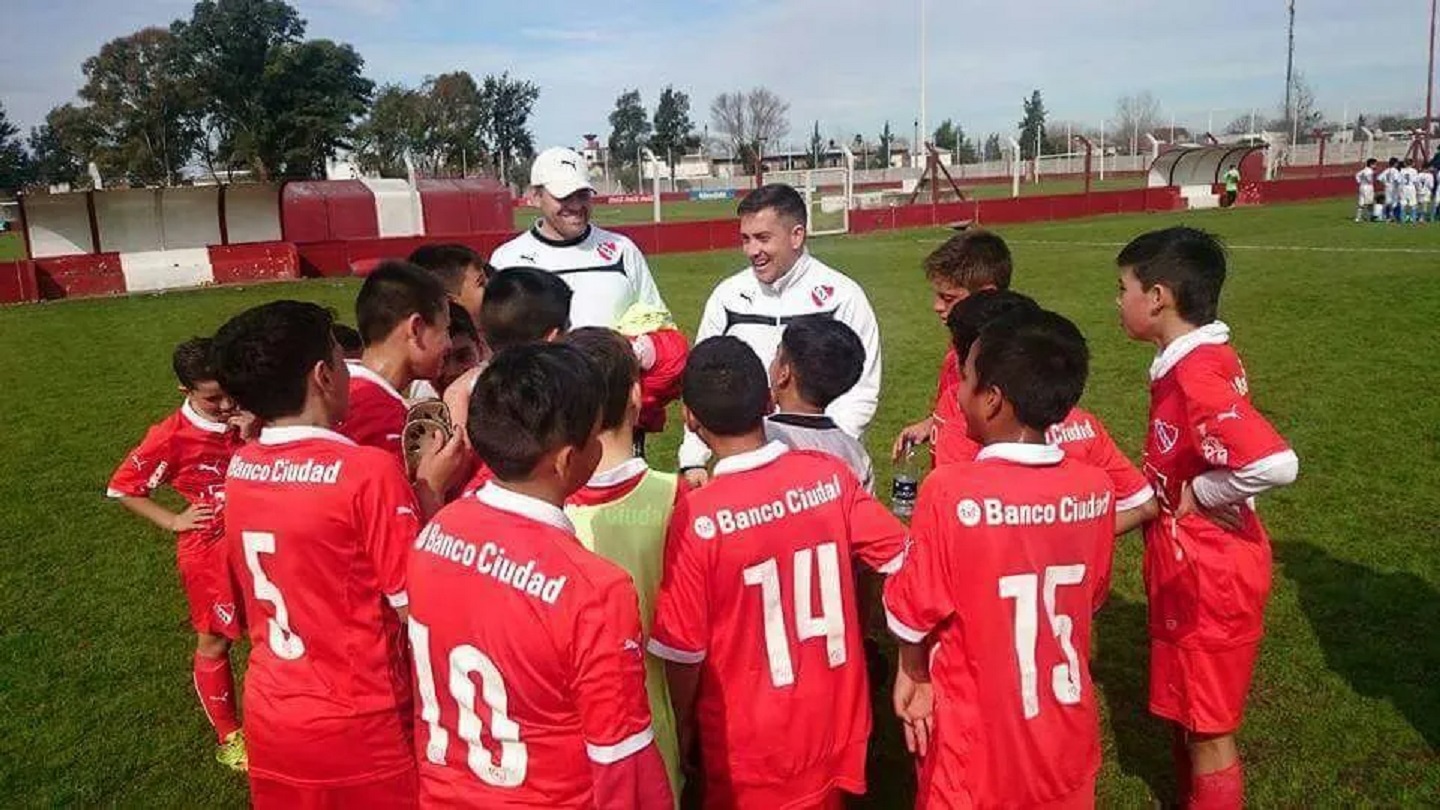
396 125
944 136
887 140
147 121
313 93
950 135
1032 126
15 168
674 131
62 146
629 130
507 127
992 149
455 111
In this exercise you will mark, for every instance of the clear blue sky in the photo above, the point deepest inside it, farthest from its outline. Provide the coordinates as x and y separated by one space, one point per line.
851 64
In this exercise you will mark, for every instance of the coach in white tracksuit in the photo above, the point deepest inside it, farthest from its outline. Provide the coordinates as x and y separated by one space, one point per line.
605 270
784 283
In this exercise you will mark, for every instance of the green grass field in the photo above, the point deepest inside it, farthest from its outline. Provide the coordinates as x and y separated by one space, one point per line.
96 705
12 246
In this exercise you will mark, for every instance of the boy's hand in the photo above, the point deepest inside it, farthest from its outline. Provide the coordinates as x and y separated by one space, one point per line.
697 477
441 461
918 433
246 424
1226 516
915 706
197 516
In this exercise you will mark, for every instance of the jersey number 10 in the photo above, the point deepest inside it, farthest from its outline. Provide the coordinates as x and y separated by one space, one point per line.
830 624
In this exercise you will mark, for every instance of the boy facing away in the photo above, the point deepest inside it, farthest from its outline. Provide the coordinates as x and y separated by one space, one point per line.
817 362
1011 555
528 649
318 528
755 617
1208 453
189 450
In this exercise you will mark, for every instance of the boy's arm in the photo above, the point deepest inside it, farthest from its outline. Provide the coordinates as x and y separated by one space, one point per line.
195 516
694 455
1246 454
1135 501
144 470
387 521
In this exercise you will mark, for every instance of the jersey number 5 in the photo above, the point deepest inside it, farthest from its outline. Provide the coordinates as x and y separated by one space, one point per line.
465 662
830 623
284 642
1064 678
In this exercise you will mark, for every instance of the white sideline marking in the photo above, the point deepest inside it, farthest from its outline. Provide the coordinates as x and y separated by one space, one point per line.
1297 248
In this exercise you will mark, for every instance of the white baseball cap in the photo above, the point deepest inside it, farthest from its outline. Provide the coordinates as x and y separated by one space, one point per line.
561 171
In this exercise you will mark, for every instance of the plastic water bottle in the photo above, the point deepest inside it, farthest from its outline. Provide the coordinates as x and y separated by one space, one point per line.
905 484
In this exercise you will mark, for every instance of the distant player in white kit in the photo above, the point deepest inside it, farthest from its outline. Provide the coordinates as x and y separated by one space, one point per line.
1408 198
1424 193
606 271
1390 179
1365 187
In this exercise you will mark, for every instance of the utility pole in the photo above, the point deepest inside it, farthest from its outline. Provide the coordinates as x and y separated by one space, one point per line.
920 123
1290 70
1430 83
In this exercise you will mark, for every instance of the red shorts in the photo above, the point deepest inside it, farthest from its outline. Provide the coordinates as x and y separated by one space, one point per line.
1202 690
210 590
399 791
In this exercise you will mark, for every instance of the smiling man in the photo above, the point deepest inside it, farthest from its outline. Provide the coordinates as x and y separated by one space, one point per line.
606 271
782 285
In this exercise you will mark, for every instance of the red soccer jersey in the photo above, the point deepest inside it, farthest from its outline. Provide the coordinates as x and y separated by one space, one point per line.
377 412
660 383
318 529
528 657
758 586
188 452
1201 419
1011 555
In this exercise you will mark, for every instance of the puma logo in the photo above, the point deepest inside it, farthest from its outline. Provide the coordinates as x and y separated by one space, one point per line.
1233 413
210 468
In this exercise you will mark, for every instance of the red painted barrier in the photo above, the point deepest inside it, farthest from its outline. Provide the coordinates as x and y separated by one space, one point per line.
18 284
343 258
1299 190
261 261
83 275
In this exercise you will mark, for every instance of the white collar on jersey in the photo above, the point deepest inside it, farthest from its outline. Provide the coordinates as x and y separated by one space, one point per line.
1031 455
359 369
1215 333
619 474
197 419
300 433
791 277
498 497
751 460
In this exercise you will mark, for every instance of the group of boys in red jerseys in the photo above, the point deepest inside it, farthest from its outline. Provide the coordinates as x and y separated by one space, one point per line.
419 640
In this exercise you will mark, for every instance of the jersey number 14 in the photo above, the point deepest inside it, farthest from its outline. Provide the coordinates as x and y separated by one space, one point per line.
829 624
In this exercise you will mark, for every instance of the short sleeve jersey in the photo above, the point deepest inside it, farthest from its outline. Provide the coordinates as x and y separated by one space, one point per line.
528 657
758 590
605 269
1201 419
1011 555
377 412
188 452
318 530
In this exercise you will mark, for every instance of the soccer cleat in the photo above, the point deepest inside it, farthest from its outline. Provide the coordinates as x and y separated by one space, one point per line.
231 752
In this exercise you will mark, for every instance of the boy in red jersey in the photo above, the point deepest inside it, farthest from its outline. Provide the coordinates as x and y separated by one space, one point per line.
1080 434
318 527
189 451
1011 556
756 614
965 264
1208 452
528 648
404 319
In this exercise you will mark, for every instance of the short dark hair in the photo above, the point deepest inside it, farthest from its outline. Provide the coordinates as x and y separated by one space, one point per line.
786 201
826 357
1370 161
1038 360
448 263
615 360
529 401
348 338
725 386
969 316
972 259
192 362
264 355
461 324
1187 261
393 292
522 305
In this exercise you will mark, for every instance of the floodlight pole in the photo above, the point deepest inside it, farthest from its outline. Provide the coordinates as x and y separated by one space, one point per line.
1089 151
1102 150
1430 84
1289 67
1015 168
921 123
655 180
